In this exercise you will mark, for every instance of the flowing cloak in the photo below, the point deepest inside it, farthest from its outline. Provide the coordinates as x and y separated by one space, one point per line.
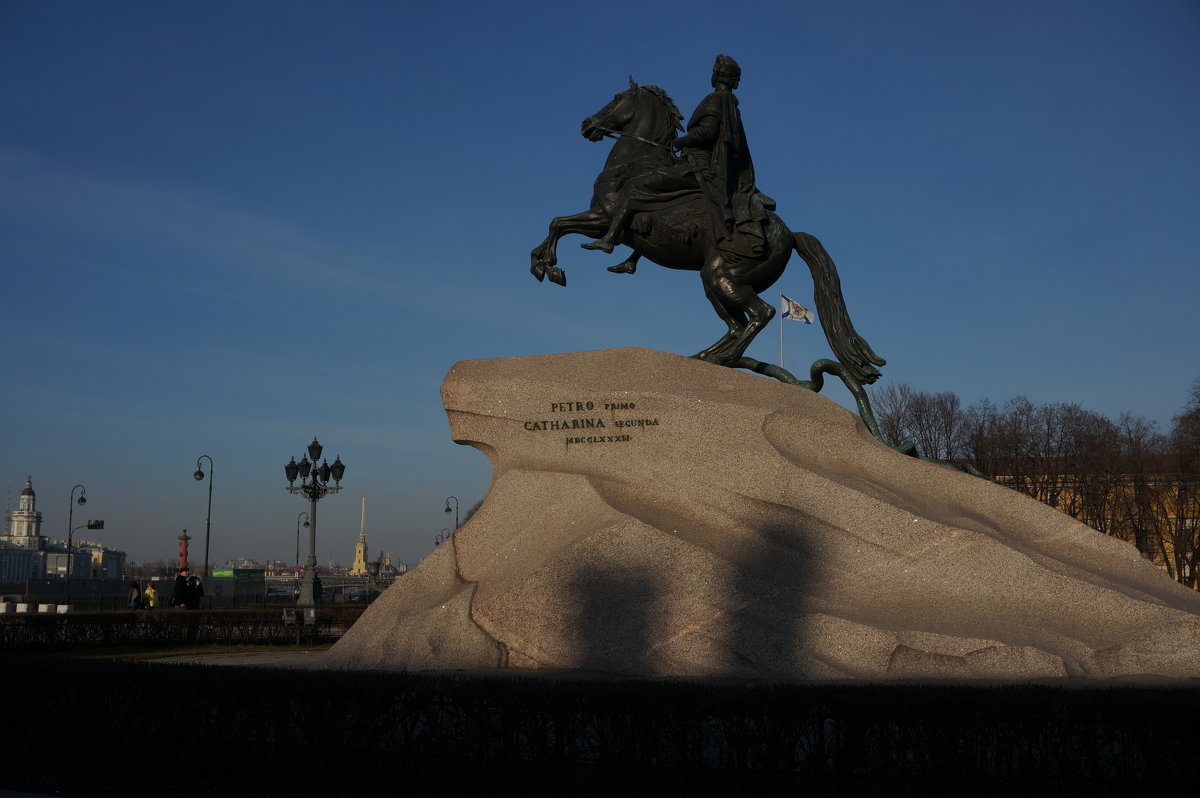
716 141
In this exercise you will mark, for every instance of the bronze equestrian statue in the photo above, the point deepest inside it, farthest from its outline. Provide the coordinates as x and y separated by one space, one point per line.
703 212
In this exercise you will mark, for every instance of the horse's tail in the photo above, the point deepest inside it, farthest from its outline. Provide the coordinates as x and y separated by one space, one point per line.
849 347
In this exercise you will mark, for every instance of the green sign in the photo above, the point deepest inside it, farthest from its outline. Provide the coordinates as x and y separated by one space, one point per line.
239 574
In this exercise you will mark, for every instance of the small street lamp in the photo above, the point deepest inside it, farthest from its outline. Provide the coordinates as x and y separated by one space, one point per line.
298 534
442 537
448 498
199 475
314 491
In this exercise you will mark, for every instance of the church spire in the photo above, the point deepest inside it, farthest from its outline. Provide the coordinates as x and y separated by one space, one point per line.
360 551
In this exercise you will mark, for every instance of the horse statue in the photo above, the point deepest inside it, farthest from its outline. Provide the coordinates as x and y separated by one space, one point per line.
672 229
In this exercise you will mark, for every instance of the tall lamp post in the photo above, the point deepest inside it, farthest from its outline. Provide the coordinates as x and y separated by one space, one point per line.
306 525
448 498
70 530
199 475
314 491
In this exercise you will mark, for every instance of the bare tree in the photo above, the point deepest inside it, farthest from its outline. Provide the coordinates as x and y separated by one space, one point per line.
1182 495
151 568
935 422
1185 431
1122 478
893 411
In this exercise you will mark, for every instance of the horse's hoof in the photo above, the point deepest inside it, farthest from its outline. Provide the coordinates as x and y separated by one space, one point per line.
557 275
538 271
716 358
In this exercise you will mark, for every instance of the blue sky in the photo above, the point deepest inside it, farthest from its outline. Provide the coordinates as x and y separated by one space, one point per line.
229 226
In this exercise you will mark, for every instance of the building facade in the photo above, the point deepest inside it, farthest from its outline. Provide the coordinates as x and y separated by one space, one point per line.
23 546
16 563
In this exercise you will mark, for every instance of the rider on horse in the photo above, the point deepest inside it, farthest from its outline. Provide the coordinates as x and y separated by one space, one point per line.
718 165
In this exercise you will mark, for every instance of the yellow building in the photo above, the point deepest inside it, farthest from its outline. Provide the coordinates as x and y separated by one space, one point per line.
1156 509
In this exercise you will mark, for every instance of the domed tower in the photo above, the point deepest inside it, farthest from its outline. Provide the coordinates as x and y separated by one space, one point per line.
25 522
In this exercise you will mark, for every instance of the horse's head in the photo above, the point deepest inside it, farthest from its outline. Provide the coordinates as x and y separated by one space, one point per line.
645 111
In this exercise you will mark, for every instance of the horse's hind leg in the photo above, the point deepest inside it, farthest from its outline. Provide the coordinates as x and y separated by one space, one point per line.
734 318
741 307
760 314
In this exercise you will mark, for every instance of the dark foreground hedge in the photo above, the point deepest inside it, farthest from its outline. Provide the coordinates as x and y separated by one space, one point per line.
42 631
106 728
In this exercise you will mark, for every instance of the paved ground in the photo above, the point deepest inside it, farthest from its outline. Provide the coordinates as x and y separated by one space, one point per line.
285 658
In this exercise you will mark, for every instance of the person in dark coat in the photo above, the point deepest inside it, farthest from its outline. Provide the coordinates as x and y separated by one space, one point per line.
179 591
193 593
716 141
135 595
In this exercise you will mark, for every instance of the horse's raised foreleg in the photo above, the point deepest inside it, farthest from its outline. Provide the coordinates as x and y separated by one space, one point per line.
545 255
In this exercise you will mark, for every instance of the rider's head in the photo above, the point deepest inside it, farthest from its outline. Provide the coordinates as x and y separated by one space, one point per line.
726 71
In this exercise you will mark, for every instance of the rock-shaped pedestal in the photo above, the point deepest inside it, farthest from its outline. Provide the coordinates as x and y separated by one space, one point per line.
654 515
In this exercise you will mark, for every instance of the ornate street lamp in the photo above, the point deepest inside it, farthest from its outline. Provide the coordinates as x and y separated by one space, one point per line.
199 475
448 498
314 490
442 537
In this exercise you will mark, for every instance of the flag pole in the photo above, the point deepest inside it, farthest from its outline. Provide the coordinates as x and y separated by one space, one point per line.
781 363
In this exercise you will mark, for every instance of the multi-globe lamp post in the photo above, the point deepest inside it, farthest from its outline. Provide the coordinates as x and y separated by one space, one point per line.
314 485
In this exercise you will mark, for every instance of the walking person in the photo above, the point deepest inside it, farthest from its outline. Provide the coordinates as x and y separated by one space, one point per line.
135 595
179 591
150 596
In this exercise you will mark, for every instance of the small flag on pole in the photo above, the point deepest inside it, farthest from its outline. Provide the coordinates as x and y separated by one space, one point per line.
795 311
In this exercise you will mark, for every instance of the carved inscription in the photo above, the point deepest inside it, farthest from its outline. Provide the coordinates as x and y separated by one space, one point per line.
592 422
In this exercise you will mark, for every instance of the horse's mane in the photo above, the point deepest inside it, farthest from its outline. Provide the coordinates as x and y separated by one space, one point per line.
672 110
